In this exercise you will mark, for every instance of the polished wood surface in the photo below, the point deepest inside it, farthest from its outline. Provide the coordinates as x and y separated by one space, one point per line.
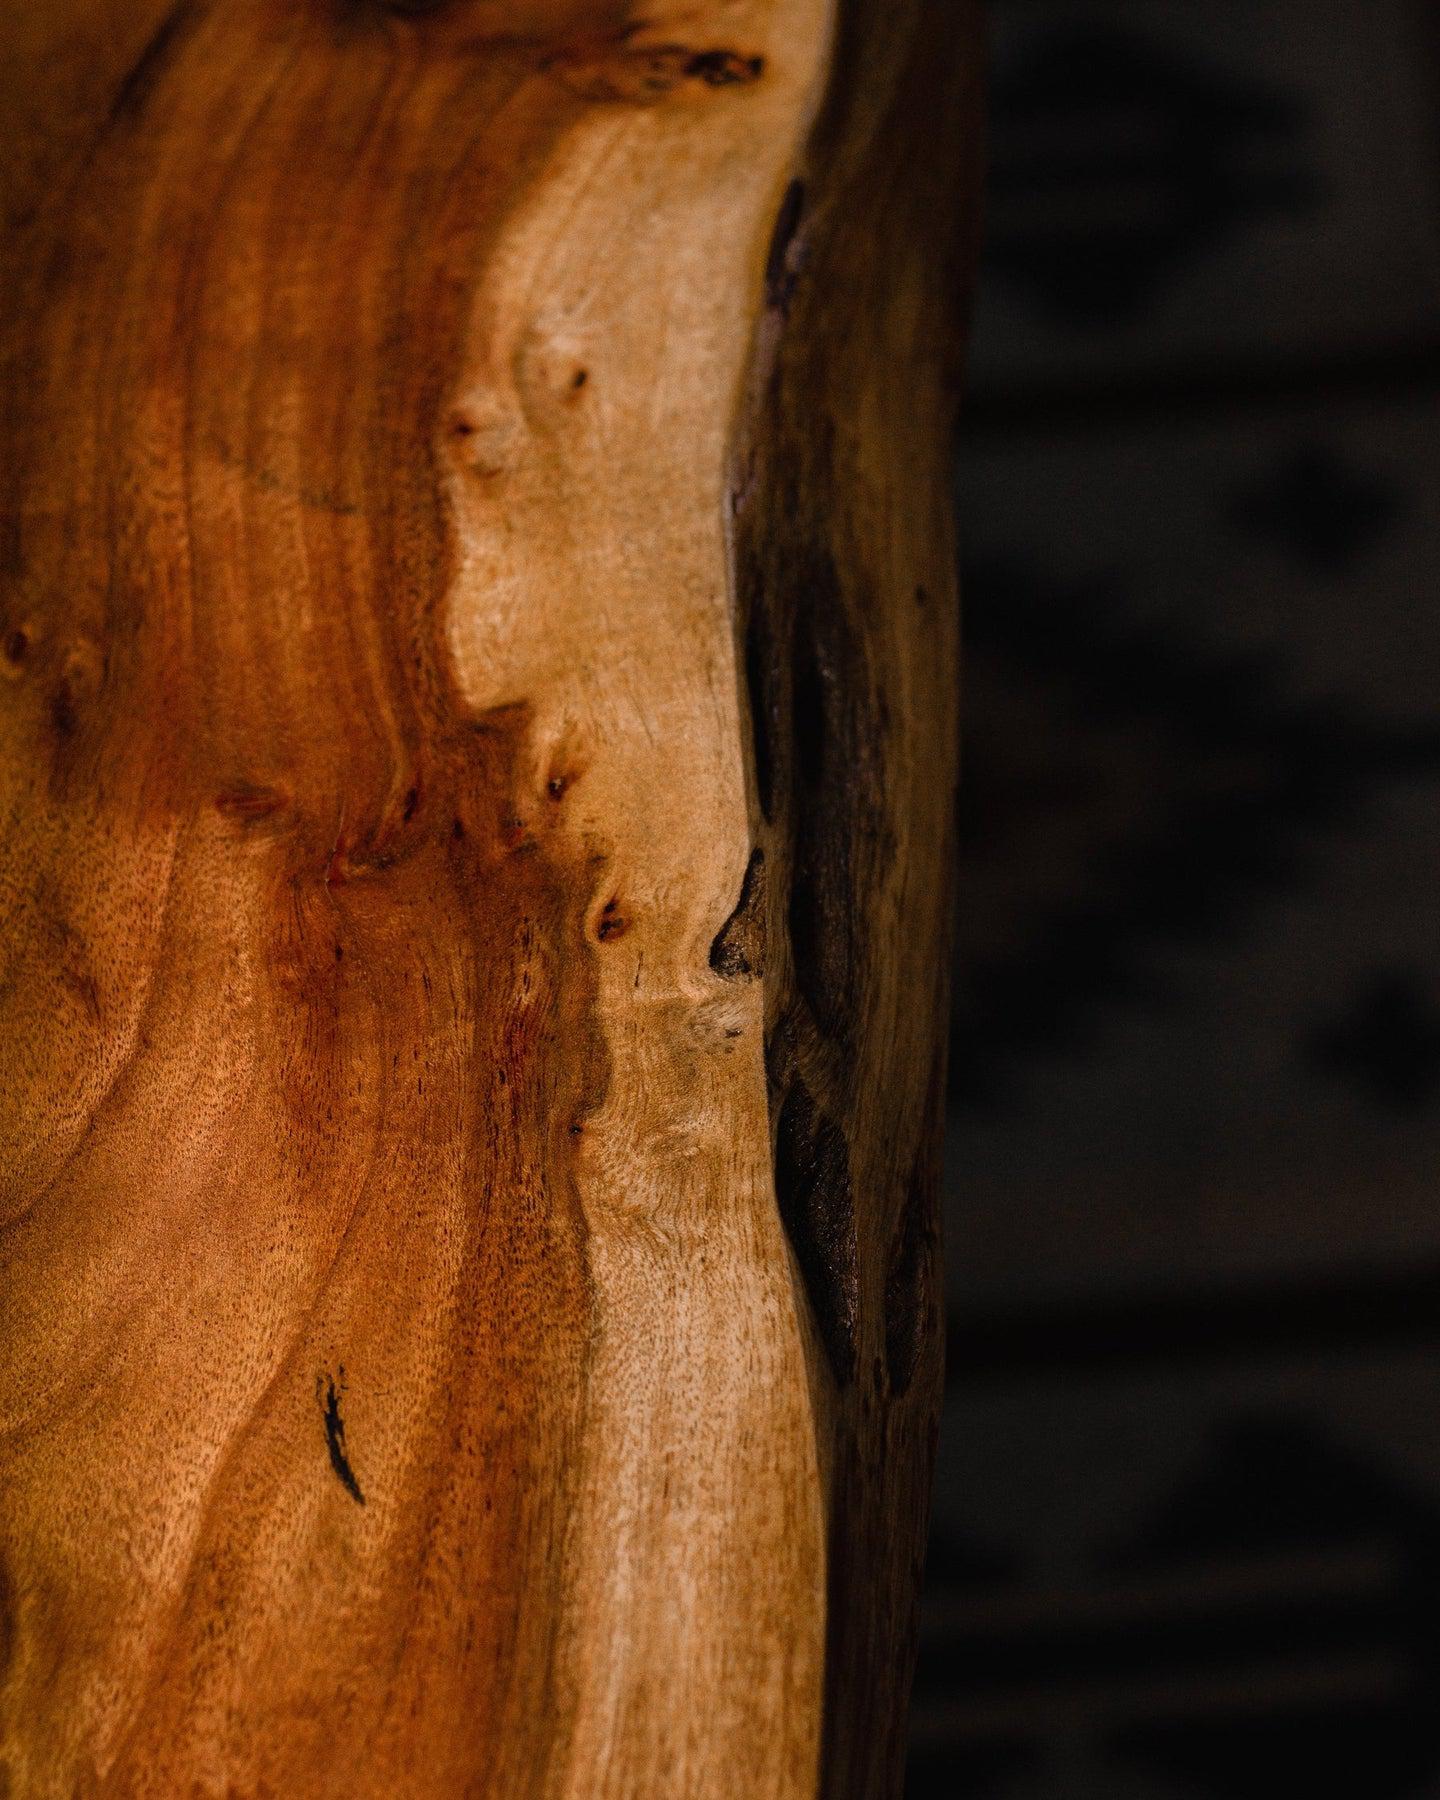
476 756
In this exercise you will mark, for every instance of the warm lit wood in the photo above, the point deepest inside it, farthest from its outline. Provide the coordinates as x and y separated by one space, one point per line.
476 751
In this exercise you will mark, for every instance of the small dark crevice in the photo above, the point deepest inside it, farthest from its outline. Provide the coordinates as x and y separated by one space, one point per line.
144 74
248 802
64 720
335 1436
565 771
780 264
612 923
724 68
739 948
812 1189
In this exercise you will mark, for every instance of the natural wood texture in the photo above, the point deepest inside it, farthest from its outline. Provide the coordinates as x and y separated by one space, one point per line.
476 752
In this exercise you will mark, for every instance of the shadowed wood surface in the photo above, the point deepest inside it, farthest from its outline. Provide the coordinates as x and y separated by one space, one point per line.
476 683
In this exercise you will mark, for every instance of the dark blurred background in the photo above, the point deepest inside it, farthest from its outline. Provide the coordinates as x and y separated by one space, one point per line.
1187 1529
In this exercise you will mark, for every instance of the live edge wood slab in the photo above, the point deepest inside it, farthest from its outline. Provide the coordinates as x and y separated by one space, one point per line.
477 685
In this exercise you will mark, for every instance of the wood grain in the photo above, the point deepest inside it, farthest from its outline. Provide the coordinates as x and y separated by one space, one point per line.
476 750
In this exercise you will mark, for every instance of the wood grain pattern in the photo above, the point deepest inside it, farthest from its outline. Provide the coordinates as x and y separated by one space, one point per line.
476 685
